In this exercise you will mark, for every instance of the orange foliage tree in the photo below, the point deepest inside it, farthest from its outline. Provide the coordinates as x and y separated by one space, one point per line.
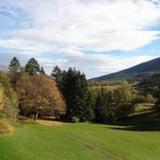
38 95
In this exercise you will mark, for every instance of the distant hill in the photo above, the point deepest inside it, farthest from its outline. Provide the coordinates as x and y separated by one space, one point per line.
136 73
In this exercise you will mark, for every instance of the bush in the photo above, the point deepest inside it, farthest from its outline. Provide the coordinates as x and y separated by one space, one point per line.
75 119
5 127
150 99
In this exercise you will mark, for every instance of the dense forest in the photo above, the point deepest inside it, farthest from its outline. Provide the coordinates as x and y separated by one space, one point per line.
27 91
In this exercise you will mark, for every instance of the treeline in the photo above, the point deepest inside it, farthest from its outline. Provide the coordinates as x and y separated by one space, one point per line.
62 95
65 95
151 85
30 91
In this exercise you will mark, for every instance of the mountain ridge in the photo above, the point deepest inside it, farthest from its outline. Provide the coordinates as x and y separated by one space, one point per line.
136 73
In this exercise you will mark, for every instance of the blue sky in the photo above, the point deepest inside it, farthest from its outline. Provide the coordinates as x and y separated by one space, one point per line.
95 36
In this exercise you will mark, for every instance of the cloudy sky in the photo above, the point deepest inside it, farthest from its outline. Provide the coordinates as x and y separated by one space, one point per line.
96 36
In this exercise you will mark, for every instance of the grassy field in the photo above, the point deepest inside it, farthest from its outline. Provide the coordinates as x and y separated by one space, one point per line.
82 141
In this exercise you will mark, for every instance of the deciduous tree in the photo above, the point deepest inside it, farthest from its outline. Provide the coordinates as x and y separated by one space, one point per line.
114 105
38 94
8 98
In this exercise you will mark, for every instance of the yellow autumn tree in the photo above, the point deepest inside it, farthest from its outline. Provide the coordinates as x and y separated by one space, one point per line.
2 102
8 99
39 96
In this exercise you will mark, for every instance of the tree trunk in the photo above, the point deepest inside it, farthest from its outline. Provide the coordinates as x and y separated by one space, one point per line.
36 116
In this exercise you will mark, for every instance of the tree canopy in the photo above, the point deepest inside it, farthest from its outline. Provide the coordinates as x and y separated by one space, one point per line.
8 98
38 94
32 67
14 69
114 105
75 91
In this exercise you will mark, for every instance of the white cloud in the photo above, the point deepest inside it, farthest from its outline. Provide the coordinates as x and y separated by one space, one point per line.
23 46
94 65
74 26
99 25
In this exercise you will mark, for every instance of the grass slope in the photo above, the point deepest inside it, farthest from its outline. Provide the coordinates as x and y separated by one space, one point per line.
79 142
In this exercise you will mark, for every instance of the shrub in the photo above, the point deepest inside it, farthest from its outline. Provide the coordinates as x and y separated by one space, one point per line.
5 127
75 119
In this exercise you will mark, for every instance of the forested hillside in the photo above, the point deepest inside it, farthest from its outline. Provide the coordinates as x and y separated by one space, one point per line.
136 73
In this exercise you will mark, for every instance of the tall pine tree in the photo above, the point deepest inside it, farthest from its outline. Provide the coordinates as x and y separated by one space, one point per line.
14 69
75 92
42 71
14 65
32 67
57 74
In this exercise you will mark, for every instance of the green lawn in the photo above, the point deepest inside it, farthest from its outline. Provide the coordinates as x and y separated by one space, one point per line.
79 142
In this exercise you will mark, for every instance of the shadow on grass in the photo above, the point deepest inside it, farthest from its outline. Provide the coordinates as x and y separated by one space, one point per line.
149 121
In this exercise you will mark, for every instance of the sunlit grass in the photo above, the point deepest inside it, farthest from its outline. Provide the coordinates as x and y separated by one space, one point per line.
81 141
